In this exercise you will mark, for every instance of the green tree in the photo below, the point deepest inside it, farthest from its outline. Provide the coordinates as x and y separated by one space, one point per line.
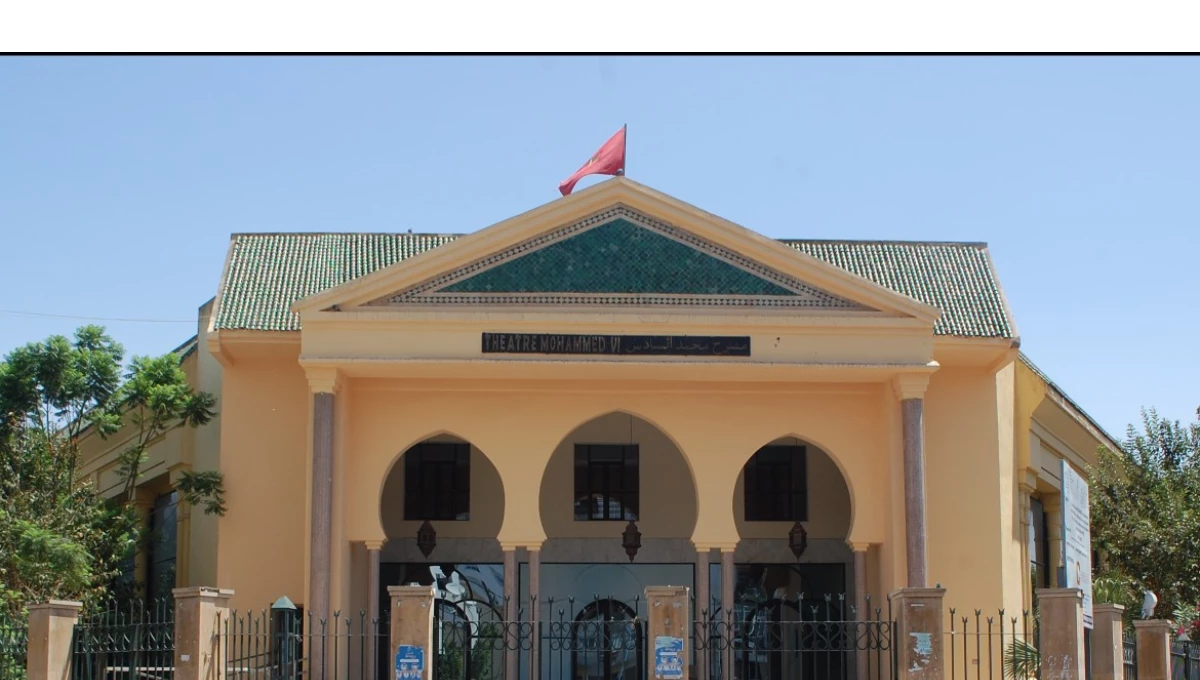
1145 506
58 537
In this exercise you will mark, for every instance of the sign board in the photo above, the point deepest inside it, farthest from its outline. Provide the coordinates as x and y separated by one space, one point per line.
410 662
668 658
1077 537
627 345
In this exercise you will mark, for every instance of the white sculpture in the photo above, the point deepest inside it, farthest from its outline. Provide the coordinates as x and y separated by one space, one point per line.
1149 602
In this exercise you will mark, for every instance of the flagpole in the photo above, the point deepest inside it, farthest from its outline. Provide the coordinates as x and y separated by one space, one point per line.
625 148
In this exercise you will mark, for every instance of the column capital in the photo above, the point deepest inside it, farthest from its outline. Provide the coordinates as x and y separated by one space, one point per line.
910 386
528 544
373 544
722 546
323 379
859 546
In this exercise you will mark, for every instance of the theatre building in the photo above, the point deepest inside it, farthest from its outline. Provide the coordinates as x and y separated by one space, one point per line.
611 391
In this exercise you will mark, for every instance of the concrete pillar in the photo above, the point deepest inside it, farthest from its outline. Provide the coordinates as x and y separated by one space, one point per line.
511 606
373 622
1052 506
862 616
912 411
201 615
1108 644
919 634
667 632
51 626
1153 649
728 579
412 632
321 547
1061 643
703 612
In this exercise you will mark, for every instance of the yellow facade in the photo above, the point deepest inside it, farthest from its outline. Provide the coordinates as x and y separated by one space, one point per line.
831 378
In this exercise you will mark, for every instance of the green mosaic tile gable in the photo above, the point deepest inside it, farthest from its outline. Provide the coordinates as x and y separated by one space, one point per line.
617 257
266 273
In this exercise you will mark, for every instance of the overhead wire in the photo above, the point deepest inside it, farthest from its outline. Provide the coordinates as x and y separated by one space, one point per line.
93 318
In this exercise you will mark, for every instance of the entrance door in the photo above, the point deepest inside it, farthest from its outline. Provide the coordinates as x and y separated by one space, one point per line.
608 643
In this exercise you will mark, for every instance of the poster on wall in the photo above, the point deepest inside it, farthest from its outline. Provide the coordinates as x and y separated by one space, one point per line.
1077 537
668 658
410 662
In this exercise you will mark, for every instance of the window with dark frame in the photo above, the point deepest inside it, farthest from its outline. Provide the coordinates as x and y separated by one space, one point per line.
162 548
775 484
437 482
606 482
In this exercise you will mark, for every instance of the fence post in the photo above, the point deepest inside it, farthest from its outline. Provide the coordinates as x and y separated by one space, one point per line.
667 630
1153 649
201 614
919 635
51 627
1108 642
1061 634
412 654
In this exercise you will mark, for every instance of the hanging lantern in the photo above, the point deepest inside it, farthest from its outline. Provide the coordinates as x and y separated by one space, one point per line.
798 539
631 539
426 539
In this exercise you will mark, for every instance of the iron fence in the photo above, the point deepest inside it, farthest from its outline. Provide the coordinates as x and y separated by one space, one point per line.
604 638
1129 654
124 641
1185 660
284 643
14 643
791 638
992 647
472 641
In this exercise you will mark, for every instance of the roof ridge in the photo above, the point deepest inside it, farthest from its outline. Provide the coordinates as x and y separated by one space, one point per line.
887 242
961 244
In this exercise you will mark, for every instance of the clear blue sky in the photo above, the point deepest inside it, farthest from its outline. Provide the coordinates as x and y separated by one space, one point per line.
121 179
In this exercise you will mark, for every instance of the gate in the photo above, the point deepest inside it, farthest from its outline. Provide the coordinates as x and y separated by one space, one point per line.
603 639
795 639
124 642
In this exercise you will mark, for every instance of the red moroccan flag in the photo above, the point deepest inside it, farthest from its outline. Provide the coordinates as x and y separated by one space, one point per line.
609 160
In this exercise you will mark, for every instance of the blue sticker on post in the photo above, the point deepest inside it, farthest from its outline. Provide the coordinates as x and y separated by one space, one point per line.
668 658
410 662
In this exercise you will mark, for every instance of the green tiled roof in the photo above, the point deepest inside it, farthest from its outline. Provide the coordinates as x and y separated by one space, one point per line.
266 273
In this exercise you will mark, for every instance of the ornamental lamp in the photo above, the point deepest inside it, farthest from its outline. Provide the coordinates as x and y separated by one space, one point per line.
631 540
426 539
798 539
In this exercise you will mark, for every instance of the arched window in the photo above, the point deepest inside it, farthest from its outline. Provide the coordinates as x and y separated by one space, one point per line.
607 643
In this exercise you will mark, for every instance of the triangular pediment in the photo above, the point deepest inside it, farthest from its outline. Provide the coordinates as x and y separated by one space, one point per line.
617 257
617 244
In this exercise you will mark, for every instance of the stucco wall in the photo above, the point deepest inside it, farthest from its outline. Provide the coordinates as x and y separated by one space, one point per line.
969 477
717 429
265 439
